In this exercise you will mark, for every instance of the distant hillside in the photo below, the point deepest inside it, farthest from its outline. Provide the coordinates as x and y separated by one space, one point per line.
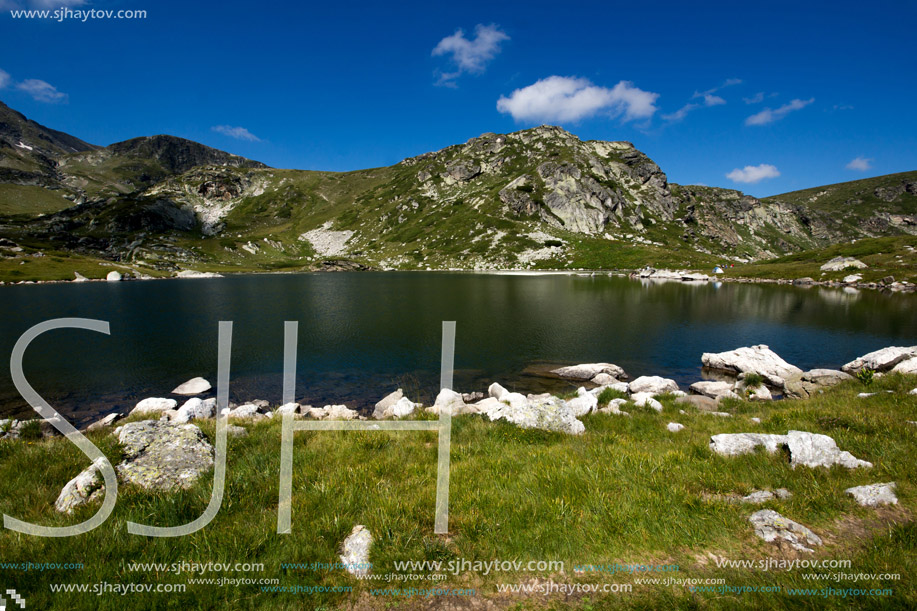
537 198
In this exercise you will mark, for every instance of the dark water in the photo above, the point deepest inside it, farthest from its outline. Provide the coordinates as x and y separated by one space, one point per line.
362 335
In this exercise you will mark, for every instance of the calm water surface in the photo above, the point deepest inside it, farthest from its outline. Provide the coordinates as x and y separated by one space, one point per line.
362 335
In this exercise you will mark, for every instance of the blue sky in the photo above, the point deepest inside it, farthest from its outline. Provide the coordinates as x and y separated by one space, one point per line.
766 98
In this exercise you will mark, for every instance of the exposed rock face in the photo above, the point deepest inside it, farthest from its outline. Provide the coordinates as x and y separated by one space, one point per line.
153 406
758 359
806 384
178 155
162 456
807 449
588 371
839 264
654 385
874 495
881 360
194 386
82 489
355 551
771 526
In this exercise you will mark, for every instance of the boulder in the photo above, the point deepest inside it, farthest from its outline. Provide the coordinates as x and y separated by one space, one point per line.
814 450
104 422
587 371
113 276
806 384
734 444
387 402
78 277
674 427
195 409
908 367
499 393
614 407
771 526
153 406
355 551
758 359
852 278
874 495
549 414
249 410
450 401
584 403
332 412
82 489
289 408
194 386
604 379
713 389
839 264
645 399
881 360
162 456
701 402
653 385
618 386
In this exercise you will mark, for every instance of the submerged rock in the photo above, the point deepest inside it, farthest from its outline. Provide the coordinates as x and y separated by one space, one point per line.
194 386
355 551
758 359
771 526
587 371
874 495
162 456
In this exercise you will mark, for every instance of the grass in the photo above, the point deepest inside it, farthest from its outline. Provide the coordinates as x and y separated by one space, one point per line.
626 491
20 200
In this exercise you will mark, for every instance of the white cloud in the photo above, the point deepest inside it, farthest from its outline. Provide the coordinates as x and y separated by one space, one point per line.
860 164
564 98
708 100
753 173
770 115
42 91
755 99
469 55
239 133
4 79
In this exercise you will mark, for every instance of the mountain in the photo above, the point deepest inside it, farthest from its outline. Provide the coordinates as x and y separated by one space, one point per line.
537 198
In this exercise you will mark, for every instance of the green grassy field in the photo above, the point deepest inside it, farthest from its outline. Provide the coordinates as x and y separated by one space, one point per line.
627 491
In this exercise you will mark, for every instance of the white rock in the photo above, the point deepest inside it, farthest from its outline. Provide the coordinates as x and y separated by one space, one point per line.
387 402
645 399
333 412
153 406
106 421
675 427
614 407
653 385
770 526
913 392
603 379
714 389
584 403
852 278
402 407
78 277
194 386
84 488
113 276
733 444
839 264
549 413
450 401
622 387
248 410
814 450
758 359
881 360
587 371
909 367
289 408
874 495
755 420
355 551
195 409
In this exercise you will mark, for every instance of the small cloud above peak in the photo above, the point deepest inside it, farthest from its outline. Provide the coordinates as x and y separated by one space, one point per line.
42 91
469 55
564 98
751 174
860 164
769 115
239 133
4 79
